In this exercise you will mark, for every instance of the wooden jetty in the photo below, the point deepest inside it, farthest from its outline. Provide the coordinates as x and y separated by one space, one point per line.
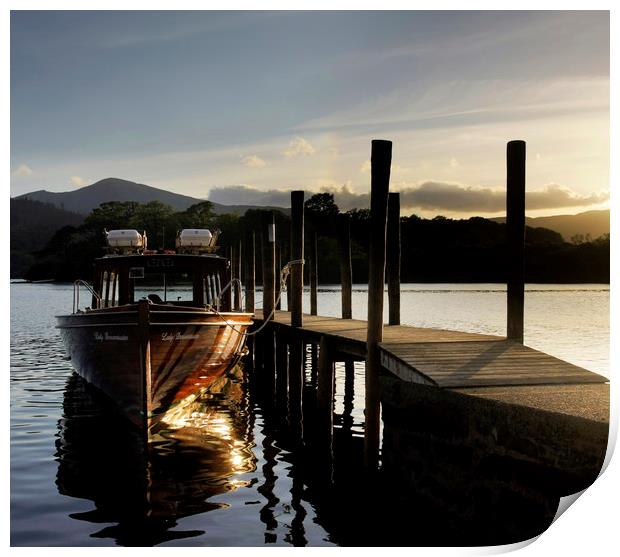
449 406
441 358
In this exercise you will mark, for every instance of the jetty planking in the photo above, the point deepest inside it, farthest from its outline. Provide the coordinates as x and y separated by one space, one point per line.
442 358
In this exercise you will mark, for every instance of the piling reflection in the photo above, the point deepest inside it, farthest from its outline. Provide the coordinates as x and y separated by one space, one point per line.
279 474
144 488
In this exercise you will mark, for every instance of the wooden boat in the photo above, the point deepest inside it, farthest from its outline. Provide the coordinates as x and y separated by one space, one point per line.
160 326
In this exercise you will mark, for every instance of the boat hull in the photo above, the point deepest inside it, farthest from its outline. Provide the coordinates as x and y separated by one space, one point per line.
148 358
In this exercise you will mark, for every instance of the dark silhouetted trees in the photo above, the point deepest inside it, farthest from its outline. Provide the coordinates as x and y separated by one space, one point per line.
433 250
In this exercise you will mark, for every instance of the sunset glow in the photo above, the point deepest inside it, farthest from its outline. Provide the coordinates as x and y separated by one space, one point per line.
243 107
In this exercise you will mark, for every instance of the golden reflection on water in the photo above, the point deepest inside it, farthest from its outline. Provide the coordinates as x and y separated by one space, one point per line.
196 453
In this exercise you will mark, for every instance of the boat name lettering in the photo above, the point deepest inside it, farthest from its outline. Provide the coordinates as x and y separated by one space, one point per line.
168 337
160 262
107 336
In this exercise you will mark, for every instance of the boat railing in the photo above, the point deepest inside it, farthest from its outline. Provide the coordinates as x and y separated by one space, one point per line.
76 294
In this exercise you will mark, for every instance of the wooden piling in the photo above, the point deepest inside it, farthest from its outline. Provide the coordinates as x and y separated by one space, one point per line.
295 385
393 258
226 297
233 270
268 375
239 290
278 285
380 160
346 273
314 273
269 256
288 292
515 236
297 254
250 272
325 390
349 395
282 371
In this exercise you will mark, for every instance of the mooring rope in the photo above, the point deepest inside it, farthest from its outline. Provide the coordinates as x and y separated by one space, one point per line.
284 273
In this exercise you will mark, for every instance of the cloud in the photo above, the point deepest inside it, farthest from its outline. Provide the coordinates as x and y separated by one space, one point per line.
365 168
298 147
22 170
77 181
458 198
554 196
249 195
253 161
454 163
430 196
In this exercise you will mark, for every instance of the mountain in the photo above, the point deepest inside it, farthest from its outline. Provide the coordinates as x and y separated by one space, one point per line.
591 223
85 199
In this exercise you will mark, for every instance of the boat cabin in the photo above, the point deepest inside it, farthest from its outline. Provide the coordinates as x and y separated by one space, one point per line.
129 272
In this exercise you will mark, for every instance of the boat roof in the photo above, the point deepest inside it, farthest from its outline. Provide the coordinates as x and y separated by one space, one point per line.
144 256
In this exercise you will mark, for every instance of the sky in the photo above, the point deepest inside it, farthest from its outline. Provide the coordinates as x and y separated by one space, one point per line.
242 107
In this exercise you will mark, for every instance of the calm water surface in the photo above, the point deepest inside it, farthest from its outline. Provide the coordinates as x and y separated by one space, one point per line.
226 471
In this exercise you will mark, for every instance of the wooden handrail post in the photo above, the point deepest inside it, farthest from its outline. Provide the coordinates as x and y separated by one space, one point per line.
297 255
393 258
380 160
515 236
344 247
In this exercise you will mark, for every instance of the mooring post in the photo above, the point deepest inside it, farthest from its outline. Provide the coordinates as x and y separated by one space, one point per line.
344 249
314 273
515 236
250 272
393 258
269 257
380 161
297 255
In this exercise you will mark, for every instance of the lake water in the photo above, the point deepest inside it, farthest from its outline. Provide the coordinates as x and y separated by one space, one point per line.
232 475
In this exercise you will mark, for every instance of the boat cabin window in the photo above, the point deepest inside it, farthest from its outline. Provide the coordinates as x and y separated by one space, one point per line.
170 286
180 280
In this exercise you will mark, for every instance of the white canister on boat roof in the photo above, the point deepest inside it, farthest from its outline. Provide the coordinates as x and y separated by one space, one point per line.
125 239
194 237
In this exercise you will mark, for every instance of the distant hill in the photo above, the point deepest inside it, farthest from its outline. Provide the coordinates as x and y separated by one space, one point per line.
590 223
85 199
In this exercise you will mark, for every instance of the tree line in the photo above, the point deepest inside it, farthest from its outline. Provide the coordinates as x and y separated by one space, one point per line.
432 250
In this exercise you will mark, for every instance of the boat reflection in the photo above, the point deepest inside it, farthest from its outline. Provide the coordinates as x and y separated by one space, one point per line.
141 487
